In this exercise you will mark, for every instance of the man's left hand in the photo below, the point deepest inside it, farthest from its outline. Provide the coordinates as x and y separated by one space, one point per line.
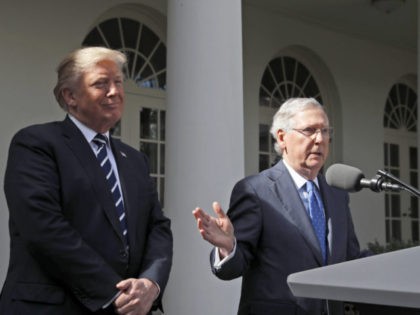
137 296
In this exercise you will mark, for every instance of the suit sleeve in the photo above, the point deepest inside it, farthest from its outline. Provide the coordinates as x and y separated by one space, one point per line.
32 188
245 214
157 260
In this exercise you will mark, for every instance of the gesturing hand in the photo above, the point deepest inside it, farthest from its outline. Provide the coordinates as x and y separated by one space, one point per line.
216 230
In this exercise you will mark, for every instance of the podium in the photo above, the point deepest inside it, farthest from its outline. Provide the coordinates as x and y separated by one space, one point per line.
382 284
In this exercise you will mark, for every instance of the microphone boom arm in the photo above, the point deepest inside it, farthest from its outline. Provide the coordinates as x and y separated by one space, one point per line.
405 186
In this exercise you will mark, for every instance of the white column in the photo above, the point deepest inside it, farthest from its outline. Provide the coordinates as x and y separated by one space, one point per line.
204 143
418 87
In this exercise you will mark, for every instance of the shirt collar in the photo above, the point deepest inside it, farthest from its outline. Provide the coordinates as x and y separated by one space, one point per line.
298 179
87 132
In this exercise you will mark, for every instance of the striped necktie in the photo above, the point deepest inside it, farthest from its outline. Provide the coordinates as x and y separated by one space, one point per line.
316 212
103 158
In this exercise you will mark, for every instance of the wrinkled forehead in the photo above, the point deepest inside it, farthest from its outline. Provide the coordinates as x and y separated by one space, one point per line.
310 117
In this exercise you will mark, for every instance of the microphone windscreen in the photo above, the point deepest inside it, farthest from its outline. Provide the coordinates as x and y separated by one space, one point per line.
344 177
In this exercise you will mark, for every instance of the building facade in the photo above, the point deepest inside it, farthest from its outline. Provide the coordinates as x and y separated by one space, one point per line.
203 81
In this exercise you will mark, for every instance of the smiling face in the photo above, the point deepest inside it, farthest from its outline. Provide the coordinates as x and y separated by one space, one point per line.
305 154
97 100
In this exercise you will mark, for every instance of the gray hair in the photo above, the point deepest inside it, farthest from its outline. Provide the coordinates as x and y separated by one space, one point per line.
282 119
72 67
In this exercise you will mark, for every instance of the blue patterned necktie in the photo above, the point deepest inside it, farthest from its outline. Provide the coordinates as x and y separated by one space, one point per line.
317 215
102 156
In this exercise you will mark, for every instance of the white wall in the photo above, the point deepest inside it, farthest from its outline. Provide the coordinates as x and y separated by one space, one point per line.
363 72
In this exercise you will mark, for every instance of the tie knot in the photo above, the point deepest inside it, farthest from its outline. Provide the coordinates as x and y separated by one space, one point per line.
310 186
100 140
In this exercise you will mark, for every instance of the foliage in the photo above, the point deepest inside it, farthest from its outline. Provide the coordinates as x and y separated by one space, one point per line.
378 248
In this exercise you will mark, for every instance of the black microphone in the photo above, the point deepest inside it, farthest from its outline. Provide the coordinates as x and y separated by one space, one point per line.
352 179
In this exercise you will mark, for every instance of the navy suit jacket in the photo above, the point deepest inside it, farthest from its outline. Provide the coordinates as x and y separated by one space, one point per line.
67 251
275 238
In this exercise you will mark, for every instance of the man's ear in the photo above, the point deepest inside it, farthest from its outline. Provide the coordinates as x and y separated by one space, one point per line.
69 97
281 134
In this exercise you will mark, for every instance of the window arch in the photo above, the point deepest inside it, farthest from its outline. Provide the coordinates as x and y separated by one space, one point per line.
145 51
286 77
143 123
283 78
401 108
401 159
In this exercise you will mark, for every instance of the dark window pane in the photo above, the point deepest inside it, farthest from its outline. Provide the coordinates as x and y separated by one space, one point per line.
148 41
387 212
277 69
111 30
162 159
162 80
130 29
386 159
150 149
394 155
283 91
393 96
290 89
148 124
311 88
162 192
413 157
415 231
395 206
264 162
158 59
162 125
402 93
396 230
387 231
414 207
146 78
413 179
131 59
289 67
267 80
137 66
395 172
279 96
94 39
301 75
264 138
276 102
264 97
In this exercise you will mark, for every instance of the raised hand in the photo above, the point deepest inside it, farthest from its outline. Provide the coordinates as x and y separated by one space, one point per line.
218 230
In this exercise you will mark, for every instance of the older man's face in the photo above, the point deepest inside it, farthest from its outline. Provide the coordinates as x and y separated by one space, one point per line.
306 154
98 99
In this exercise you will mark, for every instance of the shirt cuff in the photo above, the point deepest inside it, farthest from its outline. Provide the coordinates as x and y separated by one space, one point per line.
217 263
112 300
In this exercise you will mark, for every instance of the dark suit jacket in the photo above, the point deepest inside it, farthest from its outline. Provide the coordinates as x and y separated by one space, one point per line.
275 238
67 252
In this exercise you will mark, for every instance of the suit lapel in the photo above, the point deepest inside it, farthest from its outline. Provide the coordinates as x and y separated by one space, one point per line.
77 143
294 209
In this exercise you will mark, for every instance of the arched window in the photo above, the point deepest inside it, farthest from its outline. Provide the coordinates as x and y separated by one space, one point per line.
400 159
143 123
146 53
283 78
